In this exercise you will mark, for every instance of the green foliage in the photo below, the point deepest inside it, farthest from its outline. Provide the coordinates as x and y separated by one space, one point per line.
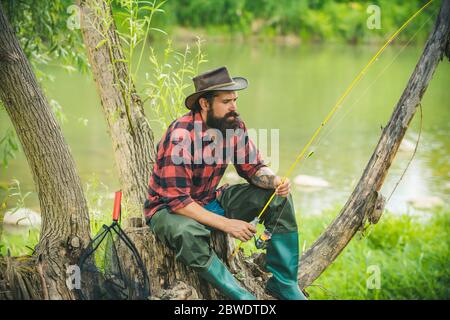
201 13
168 79
57 110
137 16
42 28
13 191
168 75
100 204
310 19
411 253
16 243
133 19
20 241
19 244
8 147
47 22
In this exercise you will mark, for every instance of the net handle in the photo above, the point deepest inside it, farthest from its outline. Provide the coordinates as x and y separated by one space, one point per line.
117 206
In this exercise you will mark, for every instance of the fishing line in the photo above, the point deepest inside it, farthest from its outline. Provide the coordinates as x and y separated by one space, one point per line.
364 228
338 120
334 109
412 157
340 116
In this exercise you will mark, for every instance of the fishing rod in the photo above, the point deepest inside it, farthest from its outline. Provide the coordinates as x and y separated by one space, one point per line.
338 104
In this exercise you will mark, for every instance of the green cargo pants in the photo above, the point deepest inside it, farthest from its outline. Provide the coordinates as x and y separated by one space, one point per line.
191 240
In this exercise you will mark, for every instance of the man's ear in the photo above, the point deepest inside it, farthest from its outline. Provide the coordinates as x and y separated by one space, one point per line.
203 104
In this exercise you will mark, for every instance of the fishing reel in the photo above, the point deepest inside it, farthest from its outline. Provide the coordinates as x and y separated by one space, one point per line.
261 242
264 238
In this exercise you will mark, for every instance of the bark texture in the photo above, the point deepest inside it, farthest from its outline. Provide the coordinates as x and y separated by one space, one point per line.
65 220
131 135
133 148
365 205
171 279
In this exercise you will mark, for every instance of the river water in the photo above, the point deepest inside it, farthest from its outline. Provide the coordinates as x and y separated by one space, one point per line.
291 90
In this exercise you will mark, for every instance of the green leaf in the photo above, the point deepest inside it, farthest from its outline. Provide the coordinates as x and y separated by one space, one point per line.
101 43
160 4
159 30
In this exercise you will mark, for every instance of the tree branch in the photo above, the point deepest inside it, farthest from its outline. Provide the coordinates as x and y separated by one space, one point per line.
361 203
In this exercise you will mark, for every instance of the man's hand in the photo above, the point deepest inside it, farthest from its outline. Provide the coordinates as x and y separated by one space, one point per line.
283 187
266 179
239 229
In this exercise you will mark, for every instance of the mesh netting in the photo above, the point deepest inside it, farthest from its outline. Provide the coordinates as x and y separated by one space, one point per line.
111 268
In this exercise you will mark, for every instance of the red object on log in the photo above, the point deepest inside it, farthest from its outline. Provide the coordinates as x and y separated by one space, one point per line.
117 201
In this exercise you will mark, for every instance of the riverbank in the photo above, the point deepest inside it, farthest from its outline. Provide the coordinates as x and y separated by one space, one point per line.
402 257
220 35
294 21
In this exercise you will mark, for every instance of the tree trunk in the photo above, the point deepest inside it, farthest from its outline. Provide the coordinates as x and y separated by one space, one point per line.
133 143
131 135
65 220
171 279
366 203
165 272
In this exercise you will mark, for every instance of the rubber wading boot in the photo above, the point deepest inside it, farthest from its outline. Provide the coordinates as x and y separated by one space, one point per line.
282 261
219 277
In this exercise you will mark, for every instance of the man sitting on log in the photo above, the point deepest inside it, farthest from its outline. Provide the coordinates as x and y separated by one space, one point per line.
184 203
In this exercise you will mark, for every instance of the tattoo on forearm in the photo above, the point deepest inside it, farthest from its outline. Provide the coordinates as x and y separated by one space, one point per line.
264 178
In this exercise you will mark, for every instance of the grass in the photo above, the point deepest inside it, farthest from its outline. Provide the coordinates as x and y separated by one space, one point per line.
411 256
402 257
17 241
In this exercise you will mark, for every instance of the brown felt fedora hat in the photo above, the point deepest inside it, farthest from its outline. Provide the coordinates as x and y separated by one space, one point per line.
214 80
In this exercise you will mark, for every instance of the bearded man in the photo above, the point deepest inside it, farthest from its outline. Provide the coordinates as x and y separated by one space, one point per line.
185 203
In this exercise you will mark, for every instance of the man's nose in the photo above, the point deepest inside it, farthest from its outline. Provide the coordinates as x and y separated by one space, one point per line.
233 106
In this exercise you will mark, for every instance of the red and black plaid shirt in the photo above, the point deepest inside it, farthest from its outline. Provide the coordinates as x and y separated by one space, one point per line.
190 164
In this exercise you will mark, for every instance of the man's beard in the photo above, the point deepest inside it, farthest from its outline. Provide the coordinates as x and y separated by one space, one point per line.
222 124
